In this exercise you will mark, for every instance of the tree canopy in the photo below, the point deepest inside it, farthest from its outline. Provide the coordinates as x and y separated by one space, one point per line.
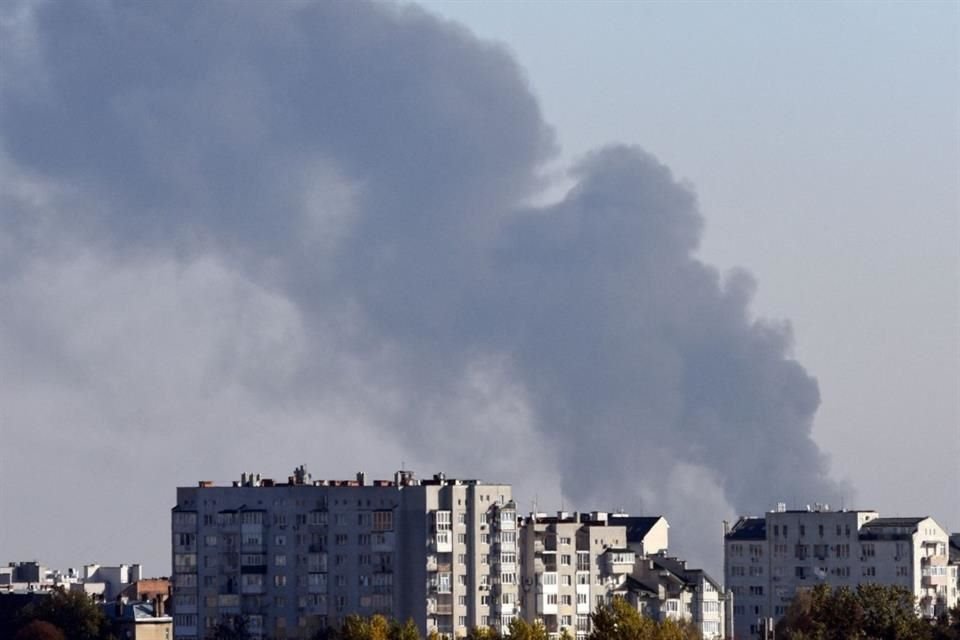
73 612
620 621
869 612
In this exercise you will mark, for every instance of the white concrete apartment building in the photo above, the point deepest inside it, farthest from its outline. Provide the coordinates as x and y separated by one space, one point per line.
297 556
663 587
101 582
573 562
565 566
767 559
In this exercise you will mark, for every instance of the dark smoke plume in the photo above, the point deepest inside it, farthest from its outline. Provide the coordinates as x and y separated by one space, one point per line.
311 216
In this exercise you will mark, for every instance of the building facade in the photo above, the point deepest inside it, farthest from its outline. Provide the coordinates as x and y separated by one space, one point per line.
298 556
767 559
572 563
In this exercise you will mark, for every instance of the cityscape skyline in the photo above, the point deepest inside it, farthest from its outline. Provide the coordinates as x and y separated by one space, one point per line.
236 237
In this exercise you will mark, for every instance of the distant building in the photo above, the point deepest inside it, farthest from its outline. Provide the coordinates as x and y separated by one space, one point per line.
663 587
139 619
297 556
100 582
22 583
767 559
574 562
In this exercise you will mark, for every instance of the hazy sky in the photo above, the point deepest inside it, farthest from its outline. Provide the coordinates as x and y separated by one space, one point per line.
823 142
245 236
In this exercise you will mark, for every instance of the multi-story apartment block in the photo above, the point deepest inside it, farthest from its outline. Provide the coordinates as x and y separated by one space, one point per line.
767 559
572 563
567 563
662 587
297 556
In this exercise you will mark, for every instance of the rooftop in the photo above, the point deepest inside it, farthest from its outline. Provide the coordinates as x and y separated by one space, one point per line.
748 528
894 522
637 526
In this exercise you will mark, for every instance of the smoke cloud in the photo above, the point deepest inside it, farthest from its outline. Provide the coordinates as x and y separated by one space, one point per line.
240 236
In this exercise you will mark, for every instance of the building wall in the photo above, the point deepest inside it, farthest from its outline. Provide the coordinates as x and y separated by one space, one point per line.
802 549
299 556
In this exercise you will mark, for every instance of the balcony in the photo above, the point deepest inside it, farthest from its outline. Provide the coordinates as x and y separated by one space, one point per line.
442 542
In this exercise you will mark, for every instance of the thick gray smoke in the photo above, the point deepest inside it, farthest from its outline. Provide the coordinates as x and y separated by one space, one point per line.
240 230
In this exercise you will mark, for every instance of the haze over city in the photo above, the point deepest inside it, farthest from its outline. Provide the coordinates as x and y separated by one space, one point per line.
689 260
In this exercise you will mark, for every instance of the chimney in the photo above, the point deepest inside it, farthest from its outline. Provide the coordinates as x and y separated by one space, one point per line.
361 478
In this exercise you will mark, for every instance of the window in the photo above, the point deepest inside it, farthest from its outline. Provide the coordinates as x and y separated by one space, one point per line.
280 560
583 623
383 520
461 558
581 598
567 599
462 538
566 621
564 540
565 559
566 580
551 598
280 580
442 520
461 518
280 541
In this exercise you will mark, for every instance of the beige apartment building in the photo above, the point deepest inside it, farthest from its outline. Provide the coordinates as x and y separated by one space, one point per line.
767 559
573 562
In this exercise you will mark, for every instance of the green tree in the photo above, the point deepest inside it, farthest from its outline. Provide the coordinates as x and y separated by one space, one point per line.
520 629
483 633
39 630
890 613
73 612
405 631
948 625
354 627
871 612
619 621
